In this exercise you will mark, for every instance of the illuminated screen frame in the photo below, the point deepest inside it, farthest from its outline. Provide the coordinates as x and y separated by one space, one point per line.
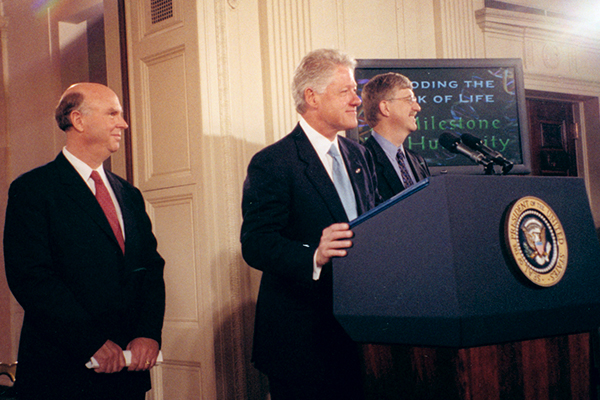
464 96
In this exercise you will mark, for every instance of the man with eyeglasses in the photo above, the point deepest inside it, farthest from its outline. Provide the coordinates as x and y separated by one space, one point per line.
390 110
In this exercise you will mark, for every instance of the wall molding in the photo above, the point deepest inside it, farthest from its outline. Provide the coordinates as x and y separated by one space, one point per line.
458 33
549 45
288 39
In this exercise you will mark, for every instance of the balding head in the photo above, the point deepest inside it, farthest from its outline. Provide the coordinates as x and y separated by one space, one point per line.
92 117
78 97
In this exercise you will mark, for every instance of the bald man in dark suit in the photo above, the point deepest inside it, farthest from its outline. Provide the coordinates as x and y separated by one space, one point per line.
88 288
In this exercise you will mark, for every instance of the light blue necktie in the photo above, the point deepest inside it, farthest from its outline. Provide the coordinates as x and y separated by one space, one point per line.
342 183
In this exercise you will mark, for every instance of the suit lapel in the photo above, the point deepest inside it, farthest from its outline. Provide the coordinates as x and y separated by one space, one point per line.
356 171
317 175
389 173
80 193
415 166
126 209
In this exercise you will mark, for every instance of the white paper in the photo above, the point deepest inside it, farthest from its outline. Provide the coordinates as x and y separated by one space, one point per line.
126 354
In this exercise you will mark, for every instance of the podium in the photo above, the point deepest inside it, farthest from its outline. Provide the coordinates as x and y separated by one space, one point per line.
431 284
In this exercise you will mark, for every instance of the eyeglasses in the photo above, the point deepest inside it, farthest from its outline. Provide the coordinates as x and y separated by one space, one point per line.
410 99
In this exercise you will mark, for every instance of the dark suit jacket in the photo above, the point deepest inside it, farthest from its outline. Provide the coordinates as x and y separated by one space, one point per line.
65 267
388 181
288 200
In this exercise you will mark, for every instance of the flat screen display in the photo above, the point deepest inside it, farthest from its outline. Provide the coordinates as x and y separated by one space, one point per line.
482 97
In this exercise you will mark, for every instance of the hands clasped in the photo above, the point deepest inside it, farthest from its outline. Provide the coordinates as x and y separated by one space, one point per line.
144 353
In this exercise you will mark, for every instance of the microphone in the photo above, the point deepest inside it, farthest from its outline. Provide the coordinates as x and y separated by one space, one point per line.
476 144
451 142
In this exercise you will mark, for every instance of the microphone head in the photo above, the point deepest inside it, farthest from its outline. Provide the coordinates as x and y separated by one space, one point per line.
449 140
471 141
507 167
477 144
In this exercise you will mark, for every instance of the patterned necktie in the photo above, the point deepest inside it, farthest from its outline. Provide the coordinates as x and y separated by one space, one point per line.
342 183
406 179
108 207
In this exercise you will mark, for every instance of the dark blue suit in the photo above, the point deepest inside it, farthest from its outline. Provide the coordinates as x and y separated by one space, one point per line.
288 200
78 290
388 181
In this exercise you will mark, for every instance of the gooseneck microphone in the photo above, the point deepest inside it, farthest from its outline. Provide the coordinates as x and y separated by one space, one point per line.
476 144
451 142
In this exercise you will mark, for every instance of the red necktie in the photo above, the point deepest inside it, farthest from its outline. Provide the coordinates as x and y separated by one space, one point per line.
108 207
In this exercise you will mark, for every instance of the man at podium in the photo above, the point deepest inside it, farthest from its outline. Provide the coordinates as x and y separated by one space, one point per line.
390 110
296 210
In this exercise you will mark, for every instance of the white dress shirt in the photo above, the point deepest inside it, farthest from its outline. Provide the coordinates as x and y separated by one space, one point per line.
321 145
85 171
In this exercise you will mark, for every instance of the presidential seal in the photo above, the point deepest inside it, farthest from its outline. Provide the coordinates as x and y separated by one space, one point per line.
536 241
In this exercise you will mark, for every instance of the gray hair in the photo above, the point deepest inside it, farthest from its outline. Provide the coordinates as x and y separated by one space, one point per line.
316 71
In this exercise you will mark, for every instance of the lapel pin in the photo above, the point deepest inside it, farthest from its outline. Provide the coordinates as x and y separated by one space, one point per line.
357 171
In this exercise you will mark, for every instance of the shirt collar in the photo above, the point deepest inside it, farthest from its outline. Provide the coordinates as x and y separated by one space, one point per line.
320 143
388 147
82 168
